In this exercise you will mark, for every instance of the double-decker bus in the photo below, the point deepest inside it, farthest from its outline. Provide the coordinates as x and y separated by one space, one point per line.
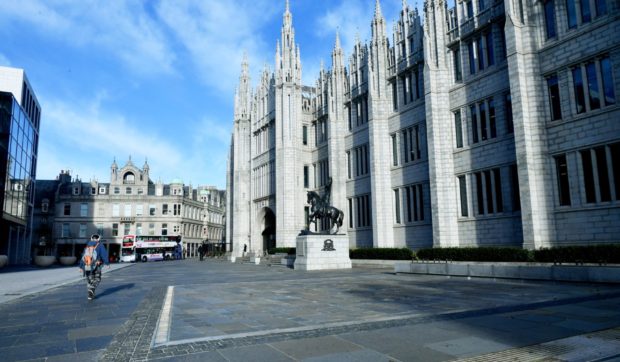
147 247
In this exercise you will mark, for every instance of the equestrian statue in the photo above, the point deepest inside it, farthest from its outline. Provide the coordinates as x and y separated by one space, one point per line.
320 208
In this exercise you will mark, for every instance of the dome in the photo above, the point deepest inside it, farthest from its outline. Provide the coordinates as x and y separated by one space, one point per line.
204 192
176 181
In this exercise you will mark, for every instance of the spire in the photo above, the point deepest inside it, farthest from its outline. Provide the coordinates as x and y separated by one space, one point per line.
337 45
245 66
287 16
404 5
287 8
242 93
378 13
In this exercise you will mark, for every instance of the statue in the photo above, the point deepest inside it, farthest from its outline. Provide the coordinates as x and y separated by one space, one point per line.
320 208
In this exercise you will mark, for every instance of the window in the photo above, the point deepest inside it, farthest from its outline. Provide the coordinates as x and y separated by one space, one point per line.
474 123
93 191
76 190
100 229
608 84
128 190
554 97
597 179
164 209
397 205
102 190
116 210
601 7
414 197
514 185
139 210
489 191
151 228
480 5
456 61
127 211
562 179
306 177
139 228
394 96
508 113
483 121
350 201
571 14
479 54
593 91
472 57
152 210
83 209
45 204
164 229
394 150
114 229
305 135
492 125
469 6
594 70
458 129
463 194
580 102
67 209
117 190
586 14
65 231
140 191
549 10
490 51
126 229
177 209
349 164
175 229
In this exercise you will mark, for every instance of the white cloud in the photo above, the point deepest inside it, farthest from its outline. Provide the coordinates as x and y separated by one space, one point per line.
123 29
217 33
85 138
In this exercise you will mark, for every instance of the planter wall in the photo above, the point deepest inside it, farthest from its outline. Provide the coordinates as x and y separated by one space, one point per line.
68 260
44 260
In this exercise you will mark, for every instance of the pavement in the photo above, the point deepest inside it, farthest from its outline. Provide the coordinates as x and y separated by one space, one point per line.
218 311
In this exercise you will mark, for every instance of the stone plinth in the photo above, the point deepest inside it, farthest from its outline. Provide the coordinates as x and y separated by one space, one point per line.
322 252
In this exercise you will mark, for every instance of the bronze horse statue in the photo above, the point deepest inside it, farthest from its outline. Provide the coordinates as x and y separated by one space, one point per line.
320 208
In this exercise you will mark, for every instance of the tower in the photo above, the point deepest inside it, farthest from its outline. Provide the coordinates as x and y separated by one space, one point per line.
438 126
289 214
240 164
378 134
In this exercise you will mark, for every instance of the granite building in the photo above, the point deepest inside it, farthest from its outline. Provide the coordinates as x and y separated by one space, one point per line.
68 210
20 116
489 123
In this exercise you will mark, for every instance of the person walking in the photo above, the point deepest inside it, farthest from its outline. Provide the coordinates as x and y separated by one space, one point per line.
93 258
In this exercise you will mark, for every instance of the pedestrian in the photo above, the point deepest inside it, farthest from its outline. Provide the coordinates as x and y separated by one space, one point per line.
201 252
93 259
245 248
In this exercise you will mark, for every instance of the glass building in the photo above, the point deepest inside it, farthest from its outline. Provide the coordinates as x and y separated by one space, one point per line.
19 138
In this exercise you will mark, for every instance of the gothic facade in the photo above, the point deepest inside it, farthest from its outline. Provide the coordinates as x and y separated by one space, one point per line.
492 123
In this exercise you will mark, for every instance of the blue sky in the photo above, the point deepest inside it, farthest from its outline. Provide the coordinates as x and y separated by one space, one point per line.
155 79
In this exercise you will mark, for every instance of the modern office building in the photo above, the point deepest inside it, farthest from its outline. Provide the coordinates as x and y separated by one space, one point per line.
490 123
68 210
20 116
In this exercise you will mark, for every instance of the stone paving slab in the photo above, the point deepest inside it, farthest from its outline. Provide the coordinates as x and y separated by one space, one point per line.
235 312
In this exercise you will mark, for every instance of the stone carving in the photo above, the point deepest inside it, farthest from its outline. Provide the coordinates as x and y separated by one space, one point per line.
320 208
328 245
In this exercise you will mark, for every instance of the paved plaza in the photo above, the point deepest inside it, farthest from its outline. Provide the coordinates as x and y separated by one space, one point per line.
217 311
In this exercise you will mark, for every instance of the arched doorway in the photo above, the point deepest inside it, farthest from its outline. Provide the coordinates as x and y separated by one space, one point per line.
267 220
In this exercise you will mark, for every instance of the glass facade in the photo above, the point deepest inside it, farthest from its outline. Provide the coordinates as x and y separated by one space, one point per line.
18 159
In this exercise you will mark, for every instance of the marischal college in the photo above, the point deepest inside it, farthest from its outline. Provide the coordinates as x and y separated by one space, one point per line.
494 123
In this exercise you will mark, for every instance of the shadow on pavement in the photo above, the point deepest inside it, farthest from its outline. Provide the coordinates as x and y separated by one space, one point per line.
115 289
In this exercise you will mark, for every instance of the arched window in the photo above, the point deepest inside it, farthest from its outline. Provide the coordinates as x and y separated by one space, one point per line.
129 178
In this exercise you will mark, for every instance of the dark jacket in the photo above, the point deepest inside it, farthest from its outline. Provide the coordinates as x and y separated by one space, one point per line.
102 253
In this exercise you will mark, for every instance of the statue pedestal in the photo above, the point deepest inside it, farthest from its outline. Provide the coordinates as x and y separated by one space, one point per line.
322 252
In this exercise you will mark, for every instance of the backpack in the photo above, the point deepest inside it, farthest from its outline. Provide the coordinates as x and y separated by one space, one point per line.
89 257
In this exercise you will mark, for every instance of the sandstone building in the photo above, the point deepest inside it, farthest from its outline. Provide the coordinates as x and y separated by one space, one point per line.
68 210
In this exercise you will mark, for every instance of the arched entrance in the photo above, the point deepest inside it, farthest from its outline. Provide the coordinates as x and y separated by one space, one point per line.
267 220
